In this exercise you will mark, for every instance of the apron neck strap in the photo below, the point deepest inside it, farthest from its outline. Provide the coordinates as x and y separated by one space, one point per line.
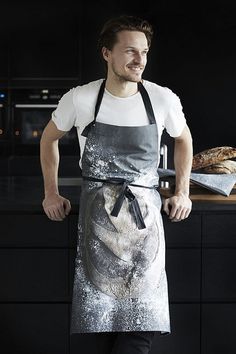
145 97
99 99
146 101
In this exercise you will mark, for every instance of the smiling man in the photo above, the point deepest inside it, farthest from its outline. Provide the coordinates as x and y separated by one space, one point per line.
120 293
127 60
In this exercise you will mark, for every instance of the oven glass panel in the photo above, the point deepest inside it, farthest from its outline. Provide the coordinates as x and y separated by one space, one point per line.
33 122
29 124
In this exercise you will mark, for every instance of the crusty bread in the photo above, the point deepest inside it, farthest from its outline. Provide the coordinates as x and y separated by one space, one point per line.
213 156
227 166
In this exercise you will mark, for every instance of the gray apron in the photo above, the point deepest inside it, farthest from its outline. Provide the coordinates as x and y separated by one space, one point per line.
120 281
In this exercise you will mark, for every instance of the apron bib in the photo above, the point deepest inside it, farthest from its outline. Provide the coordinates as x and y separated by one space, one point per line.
120 281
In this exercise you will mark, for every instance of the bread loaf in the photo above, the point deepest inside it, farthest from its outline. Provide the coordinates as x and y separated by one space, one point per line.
227 166
213 156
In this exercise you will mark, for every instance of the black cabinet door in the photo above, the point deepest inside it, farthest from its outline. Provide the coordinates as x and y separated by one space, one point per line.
34 275
185 331
186 233
51 54
32 230
218 328
218 275
219 230
34 328
183 267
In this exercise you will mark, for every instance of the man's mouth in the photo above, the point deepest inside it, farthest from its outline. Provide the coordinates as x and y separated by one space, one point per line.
135 68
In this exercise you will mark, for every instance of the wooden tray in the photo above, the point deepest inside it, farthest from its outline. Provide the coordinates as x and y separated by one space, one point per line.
198 193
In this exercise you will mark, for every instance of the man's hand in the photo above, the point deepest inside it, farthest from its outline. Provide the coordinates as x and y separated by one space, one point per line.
56 207
178 207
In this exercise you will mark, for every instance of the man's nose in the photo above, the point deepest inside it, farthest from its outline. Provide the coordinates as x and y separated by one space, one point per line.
138 57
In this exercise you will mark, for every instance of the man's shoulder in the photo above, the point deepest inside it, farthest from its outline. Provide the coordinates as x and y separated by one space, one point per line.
158 91
90 86
154 87
86 94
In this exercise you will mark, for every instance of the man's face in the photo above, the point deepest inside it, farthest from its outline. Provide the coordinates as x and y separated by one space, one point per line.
128 58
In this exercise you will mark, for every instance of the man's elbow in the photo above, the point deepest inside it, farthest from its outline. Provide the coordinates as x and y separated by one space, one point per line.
51 134
185 136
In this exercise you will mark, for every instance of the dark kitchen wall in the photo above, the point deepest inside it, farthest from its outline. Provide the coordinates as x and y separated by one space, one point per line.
193 53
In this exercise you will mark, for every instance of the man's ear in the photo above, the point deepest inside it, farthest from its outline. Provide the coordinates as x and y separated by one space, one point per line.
105 53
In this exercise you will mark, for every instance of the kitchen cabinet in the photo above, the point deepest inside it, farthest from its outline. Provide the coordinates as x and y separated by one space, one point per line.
3 61
34 328
37 259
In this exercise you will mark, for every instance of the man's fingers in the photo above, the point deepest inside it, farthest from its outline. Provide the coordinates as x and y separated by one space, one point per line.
67 206
61 212
56 215
48 213
174 210
182 215
177 208
166 206
187 212
56 208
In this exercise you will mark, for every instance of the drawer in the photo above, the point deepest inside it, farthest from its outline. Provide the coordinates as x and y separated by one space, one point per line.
34 328
219 229
185 331
218 275
183 267
218 328
73 230
72 255
34 274
186 233
33 231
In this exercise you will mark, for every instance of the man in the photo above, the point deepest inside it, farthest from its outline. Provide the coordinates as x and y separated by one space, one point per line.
120 285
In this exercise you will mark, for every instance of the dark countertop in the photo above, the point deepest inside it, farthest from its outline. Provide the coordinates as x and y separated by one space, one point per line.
25 195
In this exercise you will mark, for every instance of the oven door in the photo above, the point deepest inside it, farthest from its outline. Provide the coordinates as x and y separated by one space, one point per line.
29 121
5 139
2 123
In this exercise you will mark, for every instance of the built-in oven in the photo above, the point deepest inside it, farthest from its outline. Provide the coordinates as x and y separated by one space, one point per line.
31 111
4 124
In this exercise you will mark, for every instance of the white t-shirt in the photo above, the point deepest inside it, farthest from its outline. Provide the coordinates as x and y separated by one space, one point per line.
76 108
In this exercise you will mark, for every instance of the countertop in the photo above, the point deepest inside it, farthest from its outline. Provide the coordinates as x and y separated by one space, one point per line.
25 194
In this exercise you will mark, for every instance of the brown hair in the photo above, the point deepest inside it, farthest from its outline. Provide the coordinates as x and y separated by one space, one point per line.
108 33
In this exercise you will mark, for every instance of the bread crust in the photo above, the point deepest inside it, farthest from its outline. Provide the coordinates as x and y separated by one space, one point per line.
227 166
213 156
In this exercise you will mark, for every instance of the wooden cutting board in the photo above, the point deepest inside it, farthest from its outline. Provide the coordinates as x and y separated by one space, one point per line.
198 193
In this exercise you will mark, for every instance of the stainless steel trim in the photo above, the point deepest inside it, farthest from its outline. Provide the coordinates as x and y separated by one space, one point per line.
164 151
19 105
70 181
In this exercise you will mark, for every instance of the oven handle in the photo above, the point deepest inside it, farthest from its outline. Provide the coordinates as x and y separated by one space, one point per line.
19 105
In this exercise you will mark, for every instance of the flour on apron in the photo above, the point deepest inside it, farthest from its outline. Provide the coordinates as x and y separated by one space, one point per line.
120 281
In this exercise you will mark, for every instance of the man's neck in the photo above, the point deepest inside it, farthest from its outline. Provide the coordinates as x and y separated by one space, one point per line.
121 88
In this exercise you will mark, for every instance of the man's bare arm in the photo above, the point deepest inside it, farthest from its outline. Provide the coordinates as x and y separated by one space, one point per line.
180 203
183 157
55 206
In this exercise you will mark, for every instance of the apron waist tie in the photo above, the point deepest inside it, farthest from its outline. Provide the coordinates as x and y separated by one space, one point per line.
125 192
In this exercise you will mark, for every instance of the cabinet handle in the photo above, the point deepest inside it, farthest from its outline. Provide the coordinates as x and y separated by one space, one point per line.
19 105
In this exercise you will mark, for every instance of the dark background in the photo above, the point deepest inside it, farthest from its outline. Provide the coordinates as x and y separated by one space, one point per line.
47 44
193 53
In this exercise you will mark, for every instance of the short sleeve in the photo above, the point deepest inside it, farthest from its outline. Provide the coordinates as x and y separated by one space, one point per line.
64 115
175 120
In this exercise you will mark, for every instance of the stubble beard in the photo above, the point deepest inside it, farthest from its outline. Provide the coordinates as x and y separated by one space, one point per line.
126 77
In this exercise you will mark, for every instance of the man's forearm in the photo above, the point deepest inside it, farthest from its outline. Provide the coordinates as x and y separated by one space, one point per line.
49 158
183 155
